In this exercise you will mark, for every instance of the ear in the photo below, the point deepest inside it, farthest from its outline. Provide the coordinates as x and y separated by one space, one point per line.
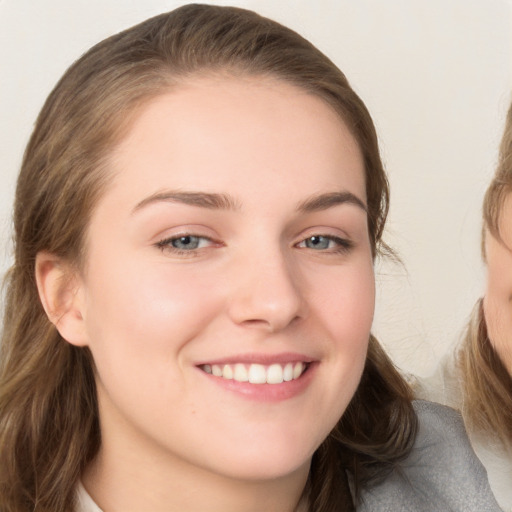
61 293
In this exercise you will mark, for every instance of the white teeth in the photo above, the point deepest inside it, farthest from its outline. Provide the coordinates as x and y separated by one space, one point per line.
257 373
275 374
228 372
297 370
241 374
288 372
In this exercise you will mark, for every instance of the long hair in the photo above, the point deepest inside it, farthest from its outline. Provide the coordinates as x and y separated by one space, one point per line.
487 384
49 429
501 184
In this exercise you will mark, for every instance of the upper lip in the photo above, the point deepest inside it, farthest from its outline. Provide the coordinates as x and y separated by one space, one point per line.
264 359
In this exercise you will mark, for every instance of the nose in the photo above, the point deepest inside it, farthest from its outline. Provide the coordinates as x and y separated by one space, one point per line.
266 292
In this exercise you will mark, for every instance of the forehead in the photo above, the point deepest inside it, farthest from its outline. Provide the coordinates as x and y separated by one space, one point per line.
231 131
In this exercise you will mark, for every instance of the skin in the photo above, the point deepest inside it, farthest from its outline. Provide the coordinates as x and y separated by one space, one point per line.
498 294
256 287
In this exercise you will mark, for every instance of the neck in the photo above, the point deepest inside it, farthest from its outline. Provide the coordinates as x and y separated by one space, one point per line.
136 488
128 474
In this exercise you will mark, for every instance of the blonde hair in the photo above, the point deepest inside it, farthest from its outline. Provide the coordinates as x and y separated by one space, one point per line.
486 383
49 428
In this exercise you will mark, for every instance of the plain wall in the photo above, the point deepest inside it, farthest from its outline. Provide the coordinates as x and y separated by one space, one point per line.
436 76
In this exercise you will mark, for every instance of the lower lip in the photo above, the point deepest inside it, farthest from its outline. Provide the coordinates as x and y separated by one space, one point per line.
266 392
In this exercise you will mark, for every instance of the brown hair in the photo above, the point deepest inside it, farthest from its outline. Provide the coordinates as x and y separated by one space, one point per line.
487 385
49 427
501 183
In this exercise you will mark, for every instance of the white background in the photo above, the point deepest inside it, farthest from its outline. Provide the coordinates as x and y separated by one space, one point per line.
436 76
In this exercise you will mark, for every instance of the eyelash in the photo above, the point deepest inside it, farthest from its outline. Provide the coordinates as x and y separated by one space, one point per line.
165 245
342 245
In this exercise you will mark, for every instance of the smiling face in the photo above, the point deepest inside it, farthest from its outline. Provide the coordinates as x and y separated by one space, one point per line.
228 290
498 294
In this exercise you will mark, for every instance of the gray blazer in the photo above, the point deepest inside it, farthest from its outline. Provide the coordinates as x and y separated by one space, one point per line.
442 473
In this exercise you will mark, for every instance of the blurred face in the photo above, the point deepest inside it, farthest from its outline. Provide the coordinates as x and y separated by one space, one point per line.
498 294
228 292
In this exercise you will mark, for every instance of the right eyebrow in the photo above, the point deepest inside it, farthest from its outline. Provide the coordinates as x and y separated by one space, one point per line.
329 200
207 200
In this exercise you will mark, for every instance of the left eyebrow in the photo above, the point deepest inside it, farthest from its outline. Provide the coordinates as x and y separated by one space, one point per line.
199 199
329 200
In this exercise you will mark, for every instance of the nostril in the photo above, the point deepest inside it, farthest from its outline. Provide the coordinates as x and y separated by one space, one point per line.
272 325
255 322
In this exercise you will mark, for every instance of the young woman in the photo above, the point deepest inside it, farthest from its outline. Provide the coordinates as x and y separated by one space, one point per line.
478 378
187 323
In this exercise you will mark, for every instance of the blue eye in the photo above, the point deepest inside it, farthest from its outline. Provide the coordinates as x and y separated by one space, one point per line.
318 242
331 244
186 243
183 243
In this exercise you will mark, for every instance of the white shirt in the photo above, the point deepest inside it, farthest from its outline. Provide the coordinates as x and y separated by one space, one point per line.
84 503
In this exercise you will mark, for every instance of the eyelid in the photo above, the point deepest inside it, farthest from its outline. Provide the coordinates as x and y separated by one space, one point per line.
343 244
169 232
164 243
170 239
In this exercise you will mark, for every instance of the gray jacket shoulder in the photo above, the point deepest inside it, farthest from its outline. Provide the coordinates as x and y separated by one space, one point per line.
442 473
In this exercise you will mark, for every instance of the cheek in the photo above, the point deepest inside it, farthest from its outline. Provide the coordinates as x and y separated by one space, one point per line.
498 318
497 299
140 321
347 302
346 313
148 310
344 308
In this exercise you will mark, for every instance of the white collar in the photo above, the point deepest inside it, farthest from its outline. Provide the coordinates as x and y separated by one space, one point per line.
84 503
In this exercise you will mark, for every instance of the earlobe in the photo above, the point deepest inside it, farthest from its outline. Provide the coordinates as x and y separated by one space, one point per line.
61 295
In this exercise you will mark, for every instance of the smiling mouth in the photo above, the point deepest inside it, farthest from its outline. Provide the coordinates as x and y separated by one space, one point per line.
257 373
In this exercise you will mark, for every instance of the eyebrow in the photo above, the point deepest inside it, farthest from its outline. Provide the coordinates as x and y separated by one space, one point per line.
329 200
200 199
215 201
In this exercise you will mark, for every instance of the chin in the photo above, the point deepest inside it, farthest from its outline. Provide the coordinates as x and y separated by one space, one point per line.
259 471
270 462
